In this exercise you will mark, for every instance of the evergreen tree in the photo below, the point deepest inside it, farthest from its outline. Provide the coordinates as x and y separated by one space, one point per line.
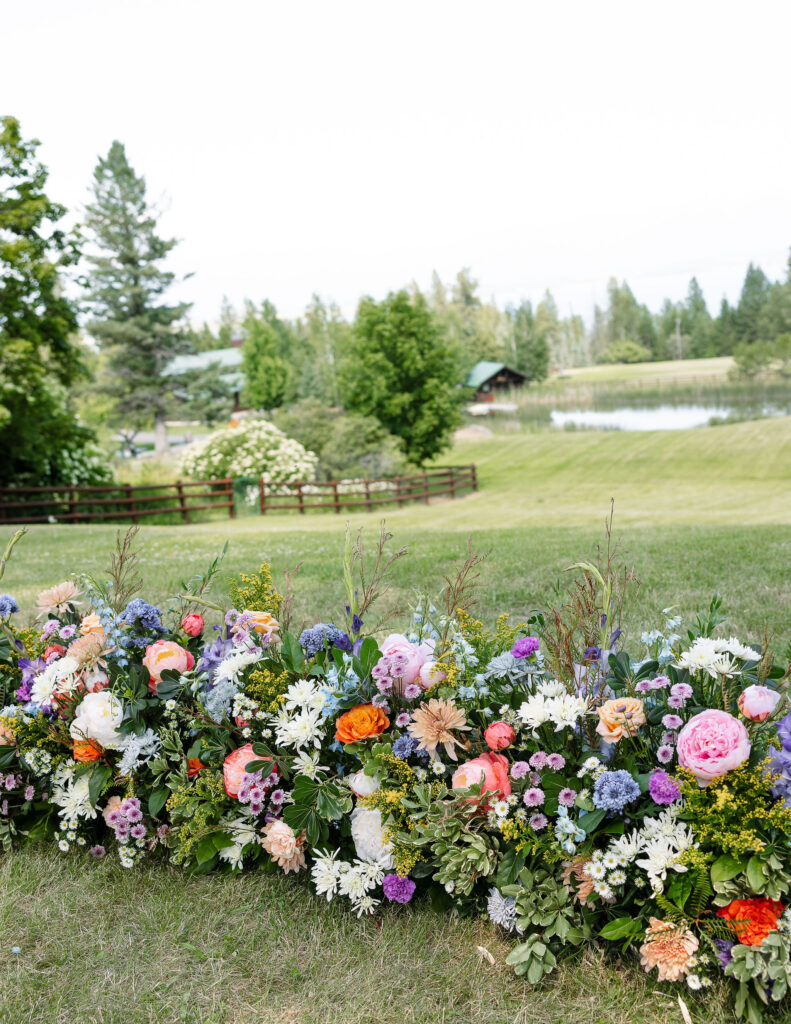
696 324
753 296
41 442
138 330
530 345
265 371
402 370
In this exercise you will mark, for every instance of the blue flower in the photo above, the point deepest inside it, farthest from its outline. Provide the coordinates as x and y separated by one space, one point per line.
323 636
612 791
144 616
8 606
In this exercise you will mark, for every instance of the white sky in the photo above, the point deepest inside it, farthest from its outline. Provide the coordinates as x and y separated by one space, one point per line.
347 148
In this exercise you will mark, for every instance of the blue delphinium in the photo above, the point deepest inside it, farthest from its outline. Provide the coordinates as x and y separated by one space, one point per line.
8 606
784 731
323 636
143 618
612 791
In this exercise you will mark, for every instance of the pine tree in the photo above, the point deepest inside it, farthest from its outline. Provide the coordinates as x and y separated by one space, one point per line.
754 294
139 331
265 371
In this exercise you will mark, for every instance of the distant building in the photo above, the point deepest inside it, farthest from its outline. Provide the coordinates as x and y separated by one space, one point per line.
488 378
227 360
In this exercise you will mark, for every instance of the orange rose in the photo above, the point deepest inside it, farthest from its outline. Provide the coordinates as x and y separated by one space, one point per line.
194 767
362 722
86 751
756 918
264 624
92 624
619 718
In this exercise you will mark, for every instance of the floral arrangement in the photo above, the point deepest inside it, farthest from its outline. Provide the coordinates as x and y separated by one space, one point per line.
253 448
540 773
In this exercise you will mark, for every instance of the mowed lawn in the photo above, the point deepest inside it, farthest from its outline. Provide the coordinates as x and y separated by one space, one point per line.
696 511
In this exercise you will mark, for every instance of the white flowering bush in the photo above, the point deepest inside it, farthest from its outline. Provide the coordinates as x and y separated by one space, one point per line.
254 448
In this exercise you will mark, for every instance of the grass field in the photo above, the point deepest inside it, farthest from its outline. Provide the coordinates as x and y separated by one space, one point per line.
695 511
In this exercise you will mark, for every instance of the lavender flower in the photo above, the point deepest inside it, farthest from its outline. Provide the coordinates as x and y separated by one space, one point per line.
682 690
142 616
519 769
783 731
672 721
659 683
664 754
321 637
556 762
97 851
724 954
539 760
538 822
567 796
533 797
663 788
398 889
525 646
8 606
612 791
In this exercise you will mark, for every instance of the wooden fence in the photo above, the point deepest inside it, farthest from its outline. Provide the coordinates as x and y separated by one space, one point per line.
450 481
122 501
119 501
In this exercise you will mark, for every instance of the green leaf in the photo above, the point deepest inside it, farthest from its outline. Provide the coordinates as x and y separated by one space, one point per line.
292 653
157 800
620 928
205 849
510 866
755 874
303 818
589 821
725 868
100 777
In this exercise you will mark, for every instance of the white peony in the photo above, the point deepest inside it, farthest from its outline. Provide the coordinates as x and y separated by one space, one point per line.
369 838
363 785
98 717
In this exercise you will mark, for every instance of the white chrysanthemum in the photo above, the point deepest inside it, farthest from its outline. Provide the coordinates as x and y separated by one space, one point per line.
301 730
564 712
354 883
98 718
308 764
368 836
365 905
232 667
305 694
534 712
61 675
326 873
551 688
74 799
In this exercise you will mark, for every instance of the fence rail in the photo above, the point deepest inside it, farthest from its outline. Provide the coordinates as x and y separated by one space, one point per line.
122 501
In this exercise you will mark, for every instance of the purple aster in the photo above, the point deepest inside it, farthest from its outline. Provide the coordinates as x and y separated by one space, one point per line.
672 721
255 807
533 797
567 796
525 646
675 702
783 731
398 889
384 684
663 788
67 632
130 803
664 754
29 793
682 690
138 832
537 822
659 683
50 626
556 762
643 686
114 818
403 720
97 851
519 769
134 814
379 701
278 796
612 791
539 760
412 690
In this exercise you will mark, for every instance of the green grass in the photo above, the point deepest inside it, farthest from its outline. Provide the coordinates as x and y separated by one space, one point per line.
666 372
695 511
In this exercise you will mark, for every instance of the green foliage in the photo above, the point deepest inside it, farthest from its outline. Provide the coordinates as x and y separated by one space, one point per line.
206 395
41 440
531 343
402 370
266 371
125 286
764 973
625 351
751 360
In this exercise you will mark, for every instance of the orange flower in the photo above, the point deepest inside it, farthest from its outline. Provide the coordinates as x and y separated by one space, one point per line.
262 623
194 766
86 751
92 624
754 919
582 884
670 947
619 718
362 722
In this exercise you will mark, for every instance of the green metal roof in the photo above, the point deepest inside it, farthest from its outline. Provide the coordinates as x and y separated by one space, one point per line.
227 358
482 371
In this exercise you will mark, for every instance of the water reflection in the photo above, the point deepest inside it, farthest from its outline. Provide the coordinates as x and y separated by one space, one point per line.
661 417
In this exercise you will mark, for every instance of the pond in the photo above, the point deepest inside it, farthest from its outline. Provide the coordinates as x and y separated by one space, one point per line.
661 417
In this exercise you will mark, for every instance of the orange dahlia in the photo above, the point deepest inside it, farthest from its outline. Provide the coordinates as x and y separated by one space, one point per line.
669 947
752 920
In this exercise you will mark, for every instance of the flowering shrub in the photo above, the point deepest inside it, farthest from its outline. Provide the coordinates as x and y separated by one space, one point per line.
540 773
254 448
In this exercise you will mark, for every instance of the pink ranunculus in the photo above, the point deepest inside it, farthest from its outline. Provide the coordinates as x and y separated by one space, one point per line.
758 702
416 656
490 771
193 624
499 735
430 674
233 772
165 655
711 744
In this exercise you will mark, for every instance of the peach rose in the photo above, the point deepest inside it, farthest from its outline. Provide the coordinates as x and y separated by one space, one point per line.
165 655
284 846
489 771
233 772
360 723
263 624
758 702
619 718
92 625
113 804
711 744
499 735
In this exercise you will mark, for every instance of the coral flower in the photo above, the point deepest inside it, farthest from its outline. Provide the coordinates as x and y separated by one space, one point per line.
360 723
670 947
163 656
619 718
92 624
582 884
194 767
753 919
87 648
86 751
233 769
434 723
284 846
489 771
7 737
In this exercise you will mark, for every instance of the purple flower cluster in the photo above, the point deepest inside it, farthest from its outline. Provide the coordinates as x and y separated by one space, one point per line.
405 746
398 889
387 672
780 765
724 951
663 788
321 637
145 620
541 760
612 791
657 683
525 646
254 789
127 821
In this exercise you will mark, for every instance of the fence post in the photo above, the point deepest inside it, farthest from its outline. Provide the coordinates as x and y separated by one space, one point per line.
425 487
231 506
72 506
474 477
182 505
262 493
300 499
336 502
452 481
367 483
131 503
399 499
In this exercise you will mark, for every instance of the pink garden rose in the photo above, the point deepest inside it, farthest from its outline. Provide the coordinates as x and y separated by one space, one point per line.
193 624
164 655
711 744
499 735
416 656
233 772
758 702
490 771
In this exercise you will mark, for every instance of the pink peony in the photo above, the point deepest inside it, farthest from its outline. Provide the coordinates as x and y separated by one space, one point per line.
490 771
193 624
164 655
499 735
430 674
711 744
416 656
233 769
758 702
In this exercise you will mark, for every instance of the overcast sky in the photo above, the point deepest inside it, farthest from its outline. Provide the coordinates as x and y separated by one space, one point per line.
350 148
